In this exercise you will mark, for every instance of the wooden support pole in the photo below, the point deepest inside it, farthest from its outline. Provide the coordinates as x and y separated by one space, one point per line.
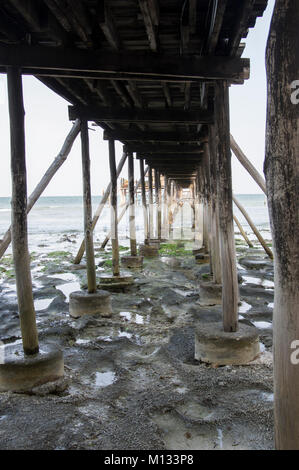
226 228
114 227
158 204
87 207
243 232
122 212
151 202
51 171
247 164
100 208
282 175
133 244
254 228
19 214
170 203
214 239
165 233
144 205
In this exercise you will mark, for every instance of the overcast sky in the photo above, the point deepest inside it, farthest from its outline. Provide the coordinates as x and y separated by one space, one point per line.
47 125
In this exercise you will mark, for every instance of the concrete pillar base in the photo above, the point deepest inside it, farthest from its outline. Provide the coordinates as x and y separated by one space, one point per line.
197 251
20 373
154 242
210 293
148 251
202 259
214 346
111 282
82 303
132 261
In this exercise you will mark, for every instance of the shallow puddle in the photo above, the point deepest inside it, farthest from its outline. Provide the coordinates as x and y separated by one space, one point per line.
42 304
68 288
244 307
262 324
103 379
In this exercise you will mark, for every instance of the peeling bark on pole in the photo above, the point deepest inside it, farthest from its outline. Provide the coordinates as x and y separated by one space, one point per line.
18 212
51 171
144 205
90 263
282 176
133 244
114 227
226 228
100 209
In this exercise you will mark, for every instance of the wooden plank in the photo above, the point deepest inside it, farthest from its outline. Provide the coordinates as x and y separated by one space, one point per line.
128 135
147 65
98 113
163 148
215 32
106 22
151 202
241 20
18 213
149 25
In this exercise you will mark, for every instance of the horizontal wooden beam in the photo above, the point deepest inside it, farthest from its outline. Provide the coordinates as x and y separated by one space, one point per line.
145 64
171 156
174 116
151 136
153 149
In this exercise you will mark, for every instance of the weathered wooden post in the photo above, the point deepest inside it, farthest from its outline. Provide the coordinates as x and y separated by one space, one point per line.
132 261
22 370
226 342
116 280
215 247
282 176
113 199
19 212
94 302
100 208
87 208
165 233
158 203
151 203
144 205
226 229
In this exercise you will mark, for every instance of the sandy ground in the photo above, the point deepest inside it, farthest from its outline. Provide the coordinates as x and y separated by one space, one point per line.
131 381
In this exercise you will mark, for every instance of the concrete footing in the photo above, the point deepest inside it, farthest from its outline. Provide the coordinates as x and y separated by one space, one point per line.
149 251
154 242
82 303
214 346
20 373
210 293
110 282
197 251
202 259
132 261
